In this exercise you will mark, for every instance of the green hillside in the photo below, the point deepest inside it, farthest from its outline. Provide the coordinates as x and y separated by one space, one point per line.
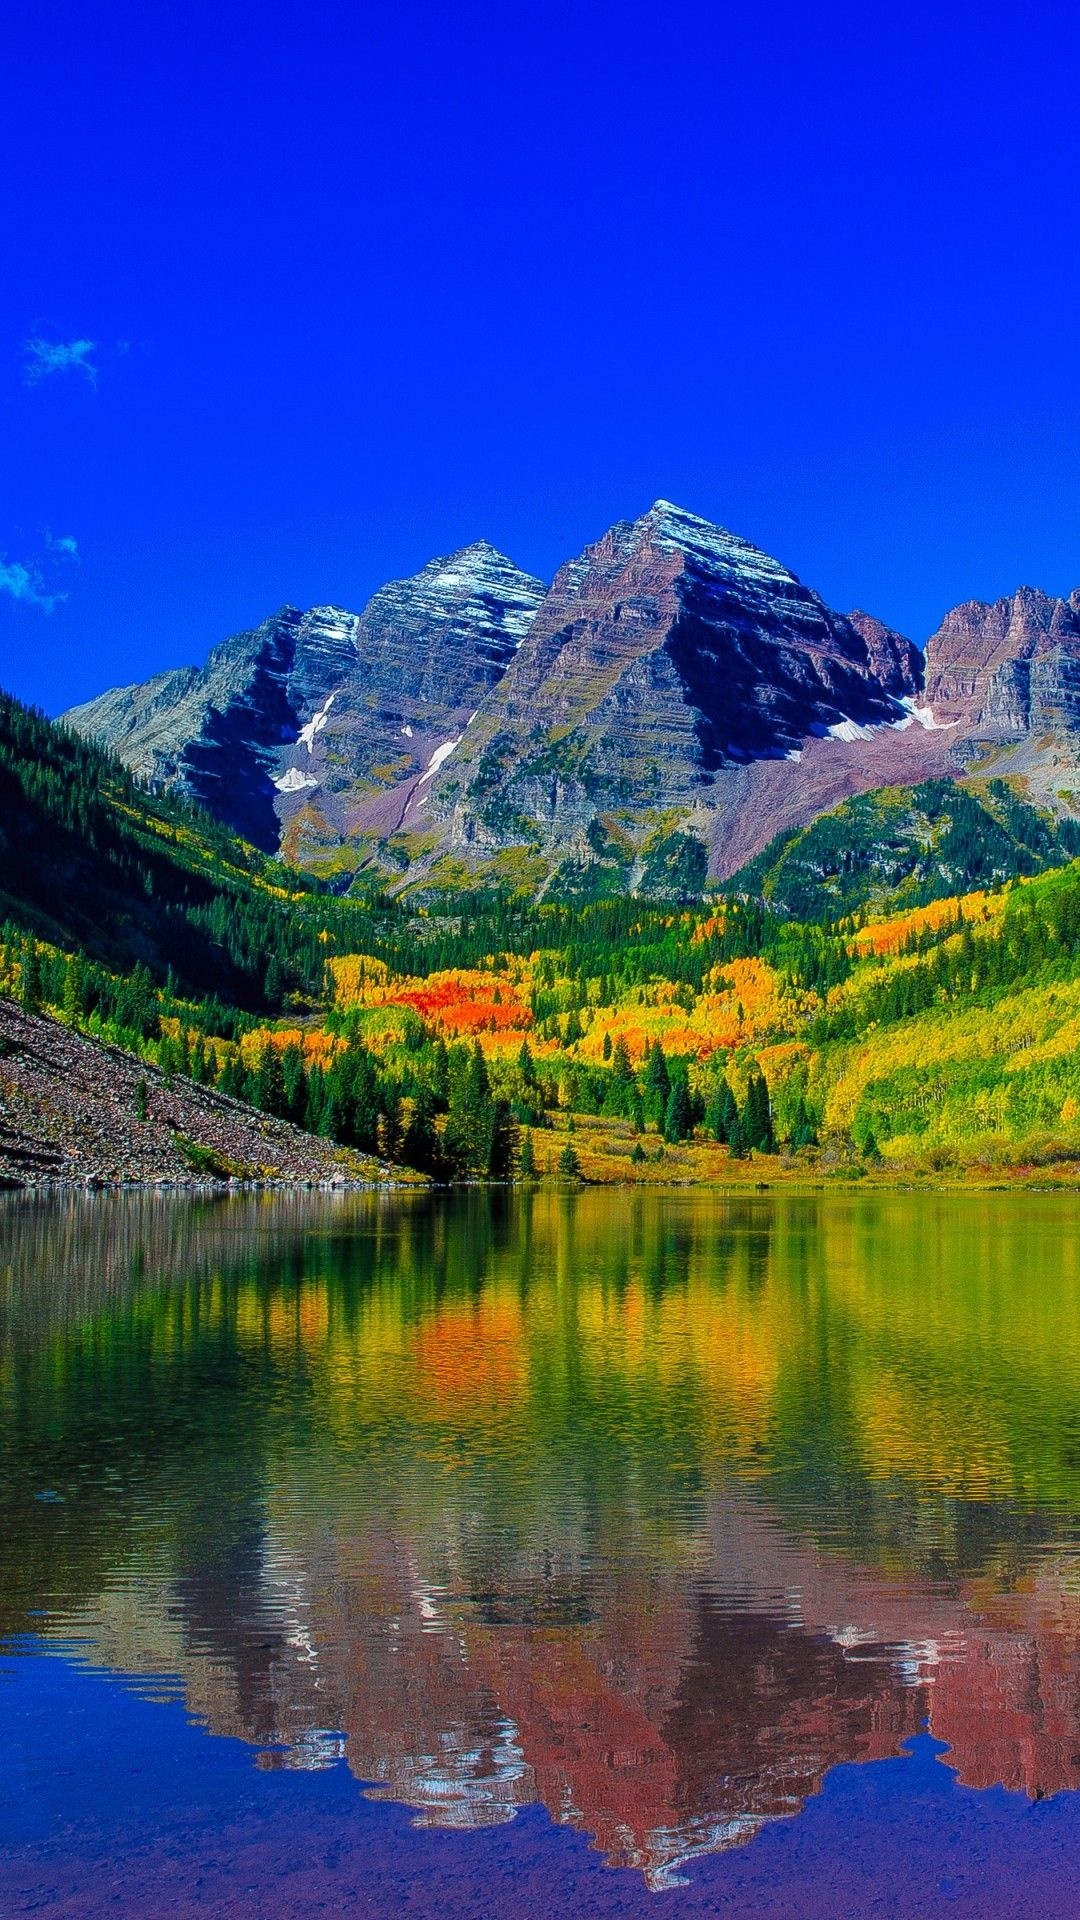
906 846
89 860
898 987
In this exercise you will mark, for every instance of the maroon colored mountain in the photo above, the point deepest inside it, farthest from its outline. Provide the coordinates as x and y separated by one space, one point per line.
665 665
671 703
291 730
1009 669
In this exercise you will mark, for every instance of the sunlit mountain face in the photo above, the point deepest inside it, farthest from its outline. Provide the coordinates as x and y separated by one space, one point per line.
648 1510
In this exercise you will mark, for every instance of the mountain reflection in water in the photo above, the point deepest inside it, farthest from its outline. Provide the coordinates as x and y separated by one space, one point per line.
650 1509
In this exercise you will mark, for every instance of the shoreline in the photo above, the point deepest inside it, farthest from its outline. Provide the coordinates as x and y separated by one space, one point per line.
408 1182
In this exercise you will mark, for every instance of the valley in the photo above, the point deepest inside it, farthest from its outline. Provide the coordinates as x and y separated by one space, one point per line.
667 873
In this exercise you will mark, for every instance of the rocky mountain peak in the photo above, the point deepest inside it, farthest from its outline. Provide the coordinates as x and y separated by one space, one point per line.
1008 665
894 660
673 529
676 694
667 655
476 597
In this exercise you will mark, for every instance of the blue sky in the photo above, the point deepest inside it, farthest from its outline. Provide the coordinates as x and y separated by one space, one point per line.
295 298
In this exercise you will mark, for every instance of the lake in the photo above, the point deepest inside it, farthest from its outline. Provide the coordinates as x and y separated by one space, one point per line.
567 1553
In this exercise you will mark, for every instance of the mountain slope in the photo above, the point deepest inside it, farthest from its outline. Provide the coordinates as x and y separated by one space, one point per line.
902 847
666 660
90 861
315 723
72 1109
674 701
1009 668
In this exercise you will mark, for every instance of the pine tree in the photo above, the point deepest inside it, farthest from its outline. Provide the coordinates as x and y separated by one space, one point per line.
504 1142
722 1112
390 1127
231 1077
569 1164
621 1066
440 1073
527 1157
470 1119
677 1113
420 1146
757 1115
315 1102
802 1132
74 998
270 1082
31 983
657 1084
274 982
294 1081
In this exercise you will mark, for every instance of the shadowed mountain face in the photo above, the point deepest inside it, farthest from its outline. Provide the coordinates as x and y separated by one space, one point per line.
667 653
674 700
313 714
648 1511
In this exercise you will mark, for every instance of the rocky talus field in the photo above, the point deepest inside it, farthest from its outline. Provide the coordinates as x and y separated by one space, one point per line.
70 1112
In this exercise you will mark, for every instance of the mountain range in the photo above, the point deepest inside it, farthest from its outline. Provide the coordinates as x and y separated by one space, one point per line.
656 717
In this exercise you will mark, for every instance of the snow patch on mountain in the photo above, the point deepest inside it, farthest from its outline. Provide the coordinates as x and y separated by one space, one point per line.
306 736
440 754
294 781
920 716
850 730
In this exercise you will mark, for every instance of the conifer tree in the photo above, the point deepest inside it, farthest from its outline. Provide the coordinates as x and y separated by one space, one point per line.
722 1112
390 1125
30 984
74 997
677 1116
621 1068
504 1142
657 1085
757 1115
231 1077
274 982
294 1083
569 1164
420 1146
470 1119
802 1132
270 1082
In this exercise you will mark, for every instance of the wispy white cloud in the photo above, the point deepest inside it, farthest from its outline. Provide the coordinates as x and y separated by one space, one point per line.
42 357
25 580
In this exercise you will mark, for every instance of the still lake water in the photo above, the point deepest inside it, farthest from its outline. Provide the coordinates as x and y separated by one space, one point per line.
659 1554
